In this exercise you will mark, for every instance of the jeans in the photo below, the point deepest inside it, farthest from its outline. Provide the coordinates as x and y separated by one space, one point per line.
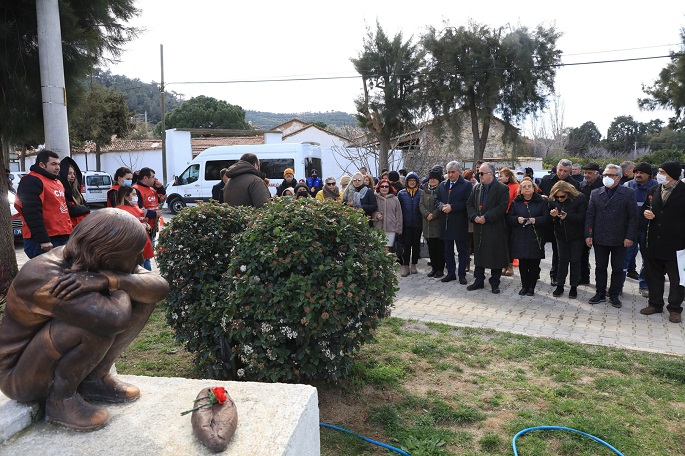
618 256
631 254
32 248
462 254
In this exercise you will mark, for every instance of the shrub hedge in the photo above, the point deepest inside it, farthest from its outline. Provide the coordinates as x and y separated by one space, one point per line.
284 293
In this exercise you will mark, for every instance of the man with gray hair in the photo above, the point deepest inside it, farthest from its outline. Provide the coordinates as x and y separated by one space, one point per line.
610 228
563 172
627 168
576 172
451 201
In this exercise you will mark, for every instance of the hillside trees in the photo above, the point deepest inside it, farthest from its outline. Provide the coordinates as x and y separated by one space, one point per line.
582 138
388 68
668 91
207 112
506 71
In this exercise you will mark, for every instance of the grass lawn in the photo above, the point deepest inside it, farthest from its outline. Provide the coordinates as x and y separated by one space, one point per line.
439 390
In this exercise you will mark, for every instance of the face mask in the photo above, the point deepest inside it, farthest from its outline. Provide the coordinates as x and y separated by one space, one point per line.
519 177
128 182
661 179
608 181
134 200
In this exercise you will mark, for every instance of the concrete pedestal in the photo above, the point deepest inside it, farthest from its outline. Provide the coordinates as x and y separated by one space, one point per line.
273 419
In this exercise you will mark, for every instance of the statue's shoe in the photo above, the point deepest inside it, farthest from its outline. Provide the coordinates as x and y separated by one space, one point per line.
75 413
108 389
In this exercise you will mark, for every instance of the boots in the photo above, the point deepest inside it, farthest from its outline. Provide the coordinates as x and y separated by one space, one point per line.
412 269
404 271
75 413
108 389
508 271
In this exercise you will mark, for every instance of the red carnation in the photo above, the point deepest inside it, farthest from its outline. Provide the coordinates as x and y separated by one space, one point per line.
217 395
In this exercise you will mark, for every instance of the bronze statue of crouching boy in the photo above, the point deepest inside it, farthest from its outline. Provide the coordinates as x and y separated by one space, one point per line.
70 313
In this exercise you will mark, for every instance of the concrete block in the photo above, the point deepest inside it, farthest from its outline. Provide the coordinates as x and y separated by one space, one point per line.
273 419
15 416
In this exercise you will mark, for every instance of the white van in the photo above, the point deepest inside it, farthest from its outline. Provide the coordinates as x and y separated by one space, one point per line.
94 187
196 182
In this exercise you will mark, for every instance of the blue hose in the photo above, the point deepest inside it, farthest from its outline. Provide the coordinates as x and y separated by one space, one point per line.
397 450
559 428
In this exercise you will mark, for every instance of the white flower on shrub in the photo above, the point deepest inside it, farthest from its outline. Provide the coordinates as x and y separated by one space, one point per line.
243 268
247 349
266 328
289 332
241 373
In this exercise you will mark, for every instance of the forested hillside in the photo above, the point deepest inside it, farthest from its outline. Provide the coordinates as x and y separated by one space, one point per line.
268 120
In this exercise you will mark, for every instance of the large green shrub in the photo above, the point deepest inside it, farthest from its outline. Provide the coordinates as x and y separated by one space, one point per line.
306 286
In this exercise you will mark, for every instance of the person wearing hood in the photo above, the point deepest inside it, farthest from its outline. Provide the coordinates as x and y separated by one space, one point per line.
71 178
432 223
412 223
42 206
527 218
245 185
289 181
388 217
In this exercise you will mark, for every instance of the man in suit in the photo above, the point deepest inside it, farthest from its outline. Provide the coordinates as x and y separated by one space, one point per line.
664 209
486 208
592 180
610 227
451 201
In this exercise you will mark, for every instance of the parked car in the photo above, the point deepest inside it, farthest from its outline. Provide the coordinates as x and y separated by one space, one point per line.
94 187
16 220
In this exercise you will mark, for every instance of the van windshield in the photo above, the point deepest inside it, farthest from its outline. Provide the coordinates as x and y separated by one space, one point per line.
274 167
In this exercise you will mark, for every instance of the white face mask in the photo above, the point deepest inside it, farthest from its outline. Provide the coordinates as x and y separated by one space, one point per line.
661 179
134 200
608 181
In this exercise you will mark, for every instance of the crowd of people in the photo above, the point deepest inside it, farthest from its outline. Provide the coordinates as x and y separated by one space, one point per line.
503 218
51 205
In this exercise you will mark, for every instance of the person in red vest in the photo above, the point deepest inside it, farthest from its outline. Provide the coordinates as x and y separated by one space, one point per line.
43 207
127 200
122 176
151 193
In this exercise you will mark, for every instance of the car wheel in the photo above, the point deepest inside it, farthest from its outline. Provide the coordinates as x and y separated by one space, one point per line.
176 205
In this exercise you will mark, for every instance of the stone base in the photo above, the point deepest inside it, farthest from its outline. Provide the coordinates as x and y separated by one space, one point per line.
273 419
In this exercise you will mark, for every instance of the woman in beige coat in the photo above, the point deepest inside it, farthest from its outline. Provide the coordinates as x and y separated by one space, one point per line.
388 216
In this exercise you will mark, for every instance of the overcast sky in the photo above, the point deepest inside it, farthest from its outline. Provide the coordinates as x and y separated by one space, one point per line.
217 40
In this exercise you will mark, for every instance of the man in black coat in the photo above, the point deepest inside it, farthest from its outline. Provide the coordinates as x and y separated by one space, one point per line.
563 172
591 182
487 208
451 201
664 209
610 227
218 189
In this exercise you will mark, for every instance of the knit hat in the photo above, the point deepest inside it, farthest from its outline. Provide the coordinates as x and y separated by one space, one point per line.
673 169
435 174
288 171
393 176
643 168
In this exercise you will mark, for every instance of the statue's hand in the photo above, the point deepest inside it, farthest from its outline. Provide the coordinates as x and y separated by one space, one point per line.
77 283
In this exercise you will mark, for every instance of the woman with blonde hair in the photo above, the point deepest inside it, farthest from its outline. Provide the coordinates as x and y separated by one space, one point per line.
567 208
344 182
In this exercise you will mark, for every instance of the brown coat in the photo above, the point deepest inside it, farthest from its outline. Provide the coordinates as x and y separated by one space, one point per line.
245 186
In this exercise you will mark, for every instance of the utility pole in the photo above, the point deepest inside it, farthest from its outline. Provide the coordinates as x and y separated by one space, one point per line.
161 92
53 90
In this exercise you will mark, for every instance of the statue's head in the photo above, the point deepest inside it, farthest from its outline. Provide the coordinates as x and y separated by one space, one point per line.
108 239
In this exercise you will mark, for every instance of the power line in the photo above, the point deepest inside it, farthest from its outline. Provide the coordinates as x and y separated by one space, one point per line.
328 78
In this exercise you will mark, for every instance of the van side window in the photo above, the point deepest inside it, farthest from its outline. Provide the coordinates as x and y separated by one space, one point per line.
213 168
274 167
190 175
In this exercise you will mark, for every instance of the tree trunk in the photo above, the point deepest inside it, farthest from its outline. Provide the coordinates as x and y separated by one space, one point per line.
8 259
383 155
484 136
97 157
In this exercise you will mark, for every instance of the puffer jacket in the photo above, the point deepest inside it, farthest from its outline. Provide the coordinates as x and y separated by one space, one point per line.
411 214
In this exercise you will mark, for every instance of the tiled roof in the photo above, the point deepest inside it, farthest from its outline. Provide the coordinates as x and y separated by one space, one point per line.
122 145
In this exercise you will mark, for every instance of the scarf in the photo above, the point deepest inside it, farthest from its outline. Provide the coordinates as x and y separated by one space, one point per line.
329 193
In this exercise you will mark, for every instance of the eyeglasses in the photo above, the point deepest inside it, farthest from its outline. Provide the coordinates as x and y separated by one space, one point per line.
384 186
609 175
481 173
561 197
330 183
356 180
